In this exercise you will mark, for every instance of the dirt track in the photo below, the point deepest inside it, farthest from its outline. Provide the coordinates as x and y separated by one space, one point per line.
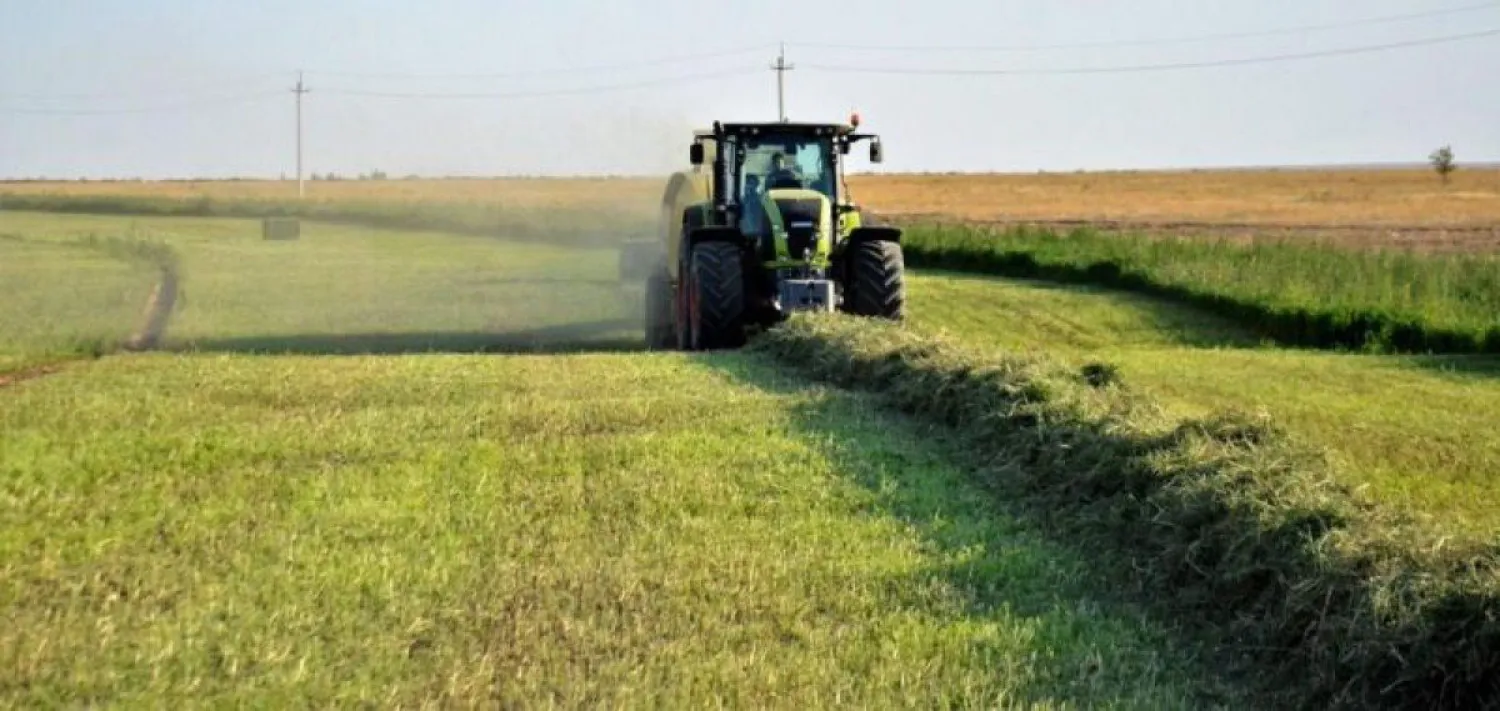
21 376
158 311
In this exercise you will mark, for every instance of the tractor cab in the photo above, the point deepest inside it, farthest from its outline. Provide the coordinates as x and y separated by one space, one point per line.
781 185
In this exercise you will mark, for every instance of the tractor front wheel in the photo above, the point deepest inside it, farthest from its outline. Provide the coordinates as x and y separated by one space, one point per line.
875 280
715 291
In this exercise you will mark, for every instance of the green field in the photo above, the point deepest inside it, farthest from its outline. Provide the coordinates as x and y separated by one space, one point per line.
212 526
594 529
1306 295
490 496
602 221
1418 432
357 289
64 301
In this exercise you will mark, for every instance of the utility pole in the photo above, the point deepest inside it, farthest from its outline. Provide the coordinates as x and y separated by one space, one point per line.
781 68
299 91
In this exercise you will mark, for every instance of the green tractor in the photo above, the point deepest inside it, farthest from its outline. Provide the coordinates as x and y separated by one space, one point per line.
760 228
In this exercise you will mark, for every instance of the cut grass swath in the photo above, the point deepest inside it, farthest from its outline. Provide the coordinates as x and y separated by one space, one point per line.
1221 520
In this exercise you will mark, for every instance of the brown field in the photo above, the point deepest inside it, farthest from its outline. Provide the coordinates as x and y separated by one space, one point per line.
1285 197
521 192
1352 207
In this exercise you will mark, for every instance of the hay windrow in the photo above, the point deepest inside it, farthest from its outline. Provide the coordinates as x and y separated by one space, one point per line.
1225 523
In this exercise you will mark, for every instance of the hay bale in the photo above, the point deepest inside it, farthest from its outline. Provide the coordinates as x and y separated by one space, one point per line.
281 228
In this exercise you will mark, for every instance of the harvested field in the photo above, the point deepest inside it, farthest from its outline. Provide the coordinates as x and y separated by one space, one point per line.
1415 433
657 473
1295 198
249 521
1407 208
523 193
1224 523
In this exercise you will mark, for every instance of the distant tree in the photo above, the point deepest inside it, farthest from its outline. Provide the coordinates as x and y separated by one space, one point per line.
1442 162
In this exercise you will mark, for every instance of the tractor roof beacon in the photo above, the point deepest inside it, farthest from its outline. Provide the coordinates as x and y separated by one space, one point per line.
762 227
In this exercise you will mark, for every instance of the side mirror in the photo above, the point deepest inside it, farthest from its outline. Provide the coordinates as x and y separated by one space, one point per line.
877 152
843 147
695 154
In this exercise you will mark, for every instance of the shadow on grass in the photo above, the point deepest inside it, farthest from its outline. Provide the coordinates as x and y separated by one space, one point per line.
597 337
1461 365
1092 645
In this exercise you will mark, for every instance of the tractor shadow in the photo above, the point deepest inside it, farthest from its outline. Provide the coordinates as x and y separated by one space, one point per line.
613 336
998 560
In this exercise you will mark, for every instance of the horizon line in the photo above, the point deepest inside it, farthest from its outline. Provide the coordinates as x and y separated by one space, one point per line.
366 177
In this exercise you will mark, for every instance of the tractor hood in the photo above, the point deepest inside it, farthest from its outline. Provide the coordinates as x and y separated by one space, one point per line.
801 223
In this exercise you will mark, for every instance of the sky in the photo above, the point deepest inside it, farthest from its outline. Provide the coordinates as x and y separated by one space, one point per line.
201 88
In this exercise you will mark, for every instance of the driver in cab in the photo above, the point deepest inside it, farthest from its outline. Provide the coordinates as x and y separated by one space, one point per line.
782 175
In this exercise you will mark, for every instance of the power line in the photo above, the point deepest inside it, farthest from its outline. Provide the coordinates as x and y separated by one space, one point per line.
1264 59
160 108
1385 19
215 89
596 89
556 71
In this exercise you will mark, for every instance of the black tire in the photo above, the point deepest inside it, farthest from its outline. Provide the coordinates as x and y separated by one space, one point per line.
659 311
876 283
716 297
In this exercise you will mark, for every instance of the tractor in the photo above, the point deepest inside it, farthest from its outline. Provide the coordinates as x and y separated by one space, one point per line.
760 228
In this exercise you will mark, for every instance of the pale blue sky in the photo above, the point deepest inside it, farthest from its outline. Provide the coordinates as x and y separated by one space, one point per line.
59 58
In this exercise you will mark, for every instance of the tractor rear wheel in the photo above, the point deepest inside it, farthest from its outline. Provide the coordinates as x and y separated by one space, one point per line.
715 292
875 280
659 331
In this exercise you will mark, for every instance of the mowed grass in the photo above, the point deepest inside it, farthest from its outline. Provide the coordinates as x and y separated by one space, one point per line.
59 301
357 289
1413 432
620 530
221 526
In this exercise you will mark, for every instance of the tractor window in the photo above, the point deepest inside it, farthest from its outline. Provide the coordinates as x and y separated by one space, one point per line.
788 161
